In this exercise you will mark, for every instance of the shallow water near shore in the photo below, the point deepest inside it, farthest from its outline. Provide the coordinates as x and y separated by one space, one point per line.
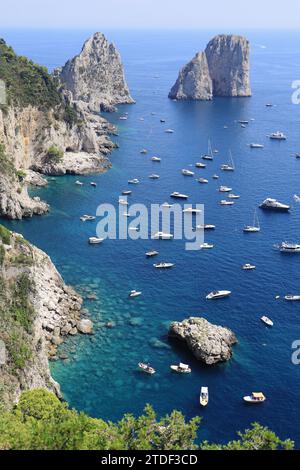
100 375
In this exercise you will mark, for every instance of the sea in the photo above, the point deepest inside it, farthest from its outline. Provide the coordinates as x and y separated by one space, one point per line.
100 375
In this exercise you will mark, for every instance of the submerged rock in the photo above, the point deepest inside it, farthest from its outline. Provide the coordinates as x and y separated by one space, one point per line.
209 343
85 326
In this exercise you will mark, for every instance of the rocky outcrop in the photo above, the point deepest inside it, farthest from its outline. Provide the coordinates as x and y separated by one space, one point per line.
96 76
222 70
53 309
209 343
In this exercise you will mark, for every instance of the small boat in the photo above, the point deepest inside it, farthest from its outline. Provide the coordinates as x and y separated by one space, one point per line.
166 205
150 254
154 176
164 265
241 121
123 118
162 121
123 202
146 368
95 240
255 397
202 181
256 146
296 198
255 227
215 177
224 189
206 246
126 214
200 165
248 267
169 131
187 172
144 151
126 193
209 154
233 196
267 321
230 165
218 294
133 181
162 236
87 218
204 397
134 293
156 159
292 297
92 183
205 227
79 183
191 210
179 195
274 205
226 203
278 136
269 105
181 368
286 247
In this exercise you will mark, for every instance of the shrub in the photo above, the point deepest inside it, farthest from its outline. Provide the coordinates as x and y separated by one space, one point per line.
55 154
5 235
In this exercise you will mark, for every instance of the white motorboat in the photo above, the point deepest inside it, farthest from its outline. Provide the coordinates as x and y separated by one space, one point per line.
230 165
164 265
87 218
166 205
179 195
169 131
215 177
92 183
202 181
133 181
150 254
156 159
218 294
187 172
205 227
278 136
209 154
248 267
144 151
296 198
146 368
256 146
206 246
204 396
224 189
286 247
79 183
226 203
123 202
200 165
95 240
255 227
126 193
134 293
242 121
181 368
255 398
292 297
267 321
123 118
233 196
126 214
162 236
154 177
274 205
191 210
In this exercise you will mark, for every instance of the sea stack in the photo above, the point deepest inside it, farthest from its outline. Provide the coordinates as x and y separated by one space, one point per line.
96 76
223 70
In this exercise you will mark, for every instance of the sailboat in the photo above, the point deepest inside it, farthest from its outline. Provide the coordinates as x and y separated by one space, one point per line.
209 154
230 165
256 225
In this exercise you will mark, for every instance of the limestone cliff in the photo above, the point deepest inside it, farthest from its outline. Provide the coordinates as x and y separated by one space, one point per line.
222 70
96 75
37 311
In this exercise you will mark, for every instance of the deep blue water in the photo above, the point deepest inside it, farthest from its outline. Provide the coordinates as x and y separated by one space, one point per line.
100 376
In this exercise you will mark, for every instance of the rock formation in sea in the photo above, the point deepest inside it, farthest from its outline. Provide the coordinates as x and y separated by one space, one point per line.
37 312
96 76
222 70
209 343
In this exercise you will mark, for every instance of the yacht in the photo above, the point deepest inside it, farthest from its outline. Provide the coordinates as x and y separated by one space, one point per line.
79 183
215 177
274 205
233 196
92 183
123 202
162 236
179 195
200 165
248 267
218 294
206 246
255 227
289 247
164 265
205 227
267 321
278 136
87 218
126 193
150 254
202 181
154 177
255 397
133 181
204 396
169 131
187 173
292 297
191 210
95 240
226 203
256 146
224 189
156 159
146 368
230 165
209 154
134 293
181 368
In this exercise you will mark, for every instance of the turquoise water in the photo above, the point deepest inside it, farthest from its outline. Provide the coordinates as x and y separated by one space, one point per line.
100 376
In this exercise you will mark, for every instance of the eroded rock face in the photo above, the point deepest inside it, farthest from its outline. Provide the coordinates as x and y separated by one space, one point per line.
222 70
96 75
209 343
194 81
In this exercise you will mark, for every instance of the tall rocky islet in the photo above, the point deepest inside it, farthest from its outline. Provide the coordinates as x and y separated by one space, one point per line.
222 70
